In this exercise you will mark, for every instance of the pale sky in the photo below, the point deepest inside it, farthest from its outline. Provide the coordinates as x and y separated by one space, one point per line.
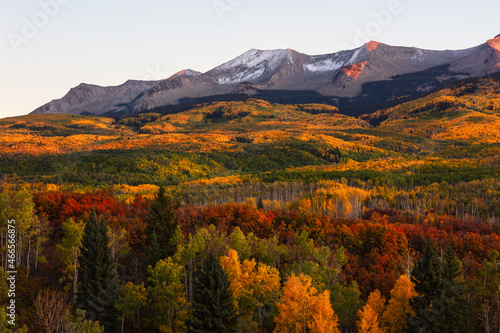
49 46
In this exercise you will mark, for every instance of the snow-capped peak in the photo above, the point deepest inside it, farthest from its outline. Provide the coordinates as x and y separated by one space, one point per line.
251 65
336 61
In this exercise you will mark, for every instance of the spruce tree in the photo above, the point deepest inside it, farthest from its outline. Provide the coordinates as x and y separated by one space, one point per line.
441 305
426 276
161 222
154 252
260 204
99 282
455 311
213 302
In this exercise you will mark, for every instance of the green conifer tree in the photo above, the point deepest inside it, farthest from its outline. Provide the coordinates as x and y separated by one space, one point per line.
99 283
441 305
455 311
260 203
154 252
426 276
161 222
213 302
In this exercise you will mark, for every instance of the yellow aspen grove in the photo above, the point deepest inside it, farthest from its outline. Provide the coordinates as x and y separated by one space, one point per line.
368 320
232 266
303 309
255 289
377 301
398 308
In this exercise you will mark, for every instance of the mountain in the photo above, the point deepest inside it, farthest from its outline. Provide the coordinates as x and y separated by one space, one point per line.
372 73
95 100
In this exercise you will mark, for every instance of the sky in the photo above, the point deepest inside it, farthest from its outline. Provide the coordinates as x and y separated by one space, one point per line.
50 46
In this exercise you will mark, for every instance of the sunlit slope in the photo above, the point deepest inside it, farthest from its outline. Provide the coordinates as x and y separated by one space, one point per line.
219 126
450 135
469 112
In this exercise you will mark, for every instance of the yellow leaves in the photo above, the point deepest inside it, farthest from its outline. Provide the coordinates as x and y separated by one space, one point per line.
265 281
232 266
93 123
334 199
50 187
369 315
270 136
228 180
302 308
377 301
398 307
368 320
251 284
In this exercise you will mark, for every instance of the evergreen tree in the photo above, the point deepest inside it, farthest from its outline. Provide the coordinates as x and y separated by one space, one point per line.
161 222
426 276
441 305
154 252
260 204
452 305
213 302
97 274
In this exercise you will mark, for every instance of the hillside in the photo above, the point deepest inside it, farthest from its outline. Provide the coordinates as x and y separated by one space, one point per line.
453 130
468 112
277 192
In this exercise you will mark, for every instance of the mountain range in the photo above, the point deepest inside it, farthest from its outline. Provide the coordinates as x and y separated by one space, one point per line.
371 74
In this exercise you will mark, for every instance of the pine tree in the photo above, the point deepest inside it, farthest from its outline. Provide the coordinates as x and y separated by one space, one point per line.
98 276
441 305
260 204
162 223
454 309
154 252
426 276
213 302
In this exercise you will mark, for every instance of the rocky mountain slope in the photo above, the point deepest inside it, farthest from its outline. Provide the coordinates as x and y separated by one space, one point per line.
342 74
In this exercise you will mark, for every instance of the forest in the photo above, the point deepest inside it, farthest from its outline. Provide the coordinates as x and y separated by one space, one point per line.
248 216
139 265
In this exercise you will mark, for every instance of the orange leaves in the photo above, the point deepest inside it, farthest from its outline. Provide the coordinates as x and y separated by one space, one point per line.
251 283
398 307
303 308
368 321
255 288
377 302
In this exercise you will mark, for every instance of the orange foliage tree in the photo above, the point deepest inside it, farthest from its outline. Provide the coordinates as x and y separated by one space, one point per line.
304 309
255 287
368 320
377 301
398 307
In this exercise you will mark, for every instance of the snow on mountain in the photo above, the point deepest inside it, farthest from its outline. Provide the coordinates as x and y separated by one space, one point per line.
250 66
340 74
324 65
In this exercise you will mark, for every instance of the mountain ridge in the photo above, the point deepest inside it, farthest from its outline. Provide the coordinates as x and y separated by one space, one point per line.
341 74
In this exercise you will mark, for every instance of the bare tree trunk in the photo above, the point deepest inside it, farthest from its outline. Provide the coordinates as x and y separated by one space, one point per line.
36 251
50 309
28 257
75 277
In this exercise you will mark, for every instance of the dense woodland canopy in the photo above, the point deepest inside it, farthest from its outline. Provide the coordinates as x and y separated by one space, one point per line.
254 217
